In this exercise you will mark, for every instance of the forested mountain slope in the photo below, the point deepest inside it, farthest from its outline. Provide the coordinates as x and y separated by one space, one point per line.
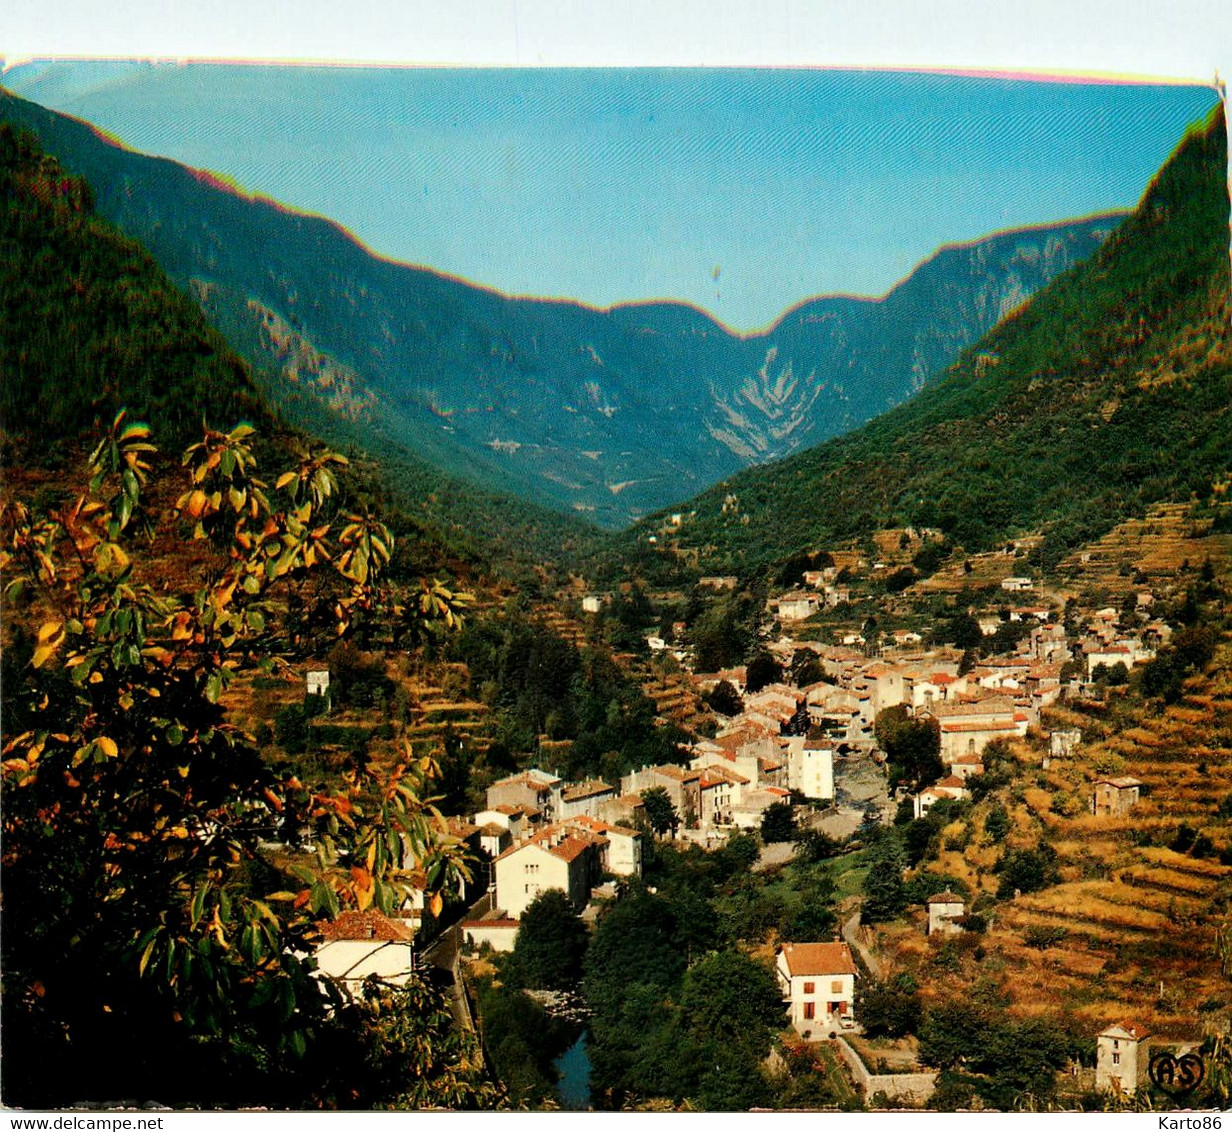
1111 389
90 323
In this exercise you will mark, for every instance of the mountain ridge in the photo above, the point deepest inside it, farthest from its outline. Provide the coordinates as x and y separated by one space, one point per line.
1109 390
607 414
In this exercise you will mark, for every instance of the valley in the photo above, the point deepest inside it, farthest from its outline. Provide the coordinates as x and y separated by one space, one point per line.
885 762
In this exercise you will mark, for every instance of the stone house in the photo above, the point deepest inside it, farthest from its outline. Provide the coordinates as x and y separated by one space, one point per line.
683 786
1122 1058
1114 797
585 798
944 909
535 791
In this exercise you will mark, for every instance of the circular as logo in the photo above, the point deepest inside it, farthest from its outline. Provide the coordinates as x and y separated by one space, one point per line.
1177 1075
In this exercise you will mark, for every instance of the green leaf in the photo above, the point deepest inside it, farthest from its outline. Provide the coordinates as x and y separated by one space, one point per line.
255 619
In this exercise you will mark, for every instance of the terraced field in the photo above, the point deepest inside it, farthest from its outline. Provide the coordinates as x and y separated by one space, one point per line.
1146 913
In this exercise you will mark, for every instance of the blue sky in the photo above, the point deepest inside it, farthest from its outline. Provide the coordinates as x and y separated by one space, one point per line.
741 191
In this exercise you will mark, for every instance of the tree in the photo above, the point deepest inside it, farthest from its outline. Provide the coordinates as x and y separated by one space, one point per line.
913 746
892 1010
778 823
1026 870
551 944
730 999
763 669
724 699
884 892
142 952
660 812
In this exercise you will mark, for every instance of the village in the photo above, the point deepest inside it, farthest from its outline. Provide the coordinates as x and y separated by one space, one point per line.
810 748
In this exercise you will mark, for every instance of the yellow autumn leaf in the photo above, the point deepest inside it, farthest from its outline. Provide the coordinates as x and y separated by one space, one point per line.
48 630
437 904
43 654
107 746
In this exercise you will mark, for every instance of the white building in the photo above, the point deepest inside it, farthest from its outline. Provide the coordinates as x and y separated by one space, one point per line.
810 768
358 945
557 857
944 909
818 982
1122 1057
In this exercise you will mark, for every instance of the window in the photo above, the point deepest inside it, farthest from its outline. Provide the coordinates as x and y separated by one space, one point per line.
836 987
1116 1059
808 1010
809 988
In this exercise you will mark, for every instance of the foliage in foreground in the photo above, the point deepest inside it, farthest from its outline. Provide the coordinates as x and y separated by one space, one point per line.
150 949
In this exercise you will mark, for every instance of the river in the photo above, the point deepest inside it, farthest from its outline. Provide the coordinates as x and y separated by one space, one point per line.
574 1068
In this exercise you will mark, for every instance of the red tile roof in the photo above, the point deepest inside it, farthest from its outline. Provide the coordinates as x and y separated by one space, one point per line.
366 925
818 959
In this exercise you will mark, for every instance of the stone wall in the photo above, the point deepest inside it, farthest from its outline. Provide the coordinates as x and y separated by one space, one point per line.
911 1088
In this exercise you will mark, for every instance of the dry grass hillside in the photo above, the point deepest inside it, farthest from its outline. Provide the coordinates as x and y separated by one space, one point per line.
1132 926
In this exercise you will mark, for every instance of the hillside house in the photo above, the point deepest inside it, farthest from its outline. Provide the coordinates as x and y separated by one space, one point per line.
1122 1058
818 982
625 810
720 788
1109 656
936 688
835 596
749 811
512 818
810 768
1017 585
965 766
683 786
494 838
585 798
620 849
797 606
359 945
316 683
556 857
949 787
968 727
1114 797
1062 744
536 792
944 910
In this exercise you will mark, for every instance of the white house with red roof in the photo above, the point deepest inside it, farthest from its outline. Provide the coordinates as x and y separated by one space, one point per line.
360 945
620 849
818 983
560 857
949 787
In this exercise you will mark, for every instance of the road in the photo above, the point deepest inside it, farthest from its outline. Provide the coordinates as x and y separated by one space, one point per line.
851 933
441 955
